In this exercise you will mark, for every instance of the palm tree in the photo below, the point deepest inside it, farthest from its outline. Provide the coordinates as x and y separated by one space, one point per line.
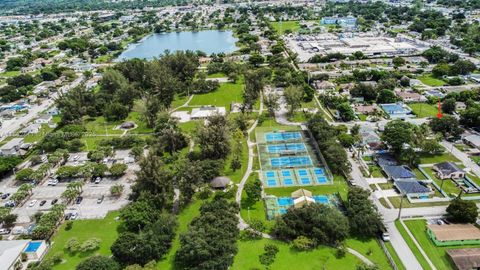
69 195
26 188
76 185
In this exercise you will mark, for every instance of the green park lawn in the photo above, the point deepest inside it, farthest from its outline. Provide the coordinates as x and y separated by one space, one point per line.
426 158
222 97
184 218
216 75
429 80
9 74
437 255
99 126
422 110
376 171
30 138
103 229
251 210
288 258
395 201
281 27
298 117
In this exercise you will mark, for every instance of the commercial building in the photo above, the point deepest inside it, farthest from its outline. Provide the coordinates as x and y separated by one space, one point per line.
348 21
397 110
12 147
454 234
11 253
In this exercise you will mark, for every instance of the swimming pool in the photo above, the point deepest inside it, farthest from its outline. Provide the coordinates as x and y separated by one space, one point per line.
33 246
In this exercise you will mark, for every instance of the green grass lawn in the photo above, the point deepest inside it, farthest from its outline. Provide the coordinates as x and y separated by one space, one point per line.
179 101
298 117
423 110
99 126
339 185
426 158
9 74
362 117
371 249
447 185
437 255
388 185
423 262
376 171
281 27
237 175
429 80
222 97
138 118
103 229
30 138
288 258
254 210
419 174
184 219
216 75
190 127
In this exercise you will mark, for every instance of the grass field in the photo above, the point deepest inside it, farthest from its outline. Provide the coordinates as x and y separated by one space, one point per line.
437 158
254 210
423 110
103 229
287 258
406 204
429 80
281 27
222 97
184 219
236 176
412 246
437 255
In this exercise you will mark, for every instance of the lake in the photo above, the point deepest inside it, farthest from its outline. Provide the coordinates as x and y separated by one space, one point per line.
210 41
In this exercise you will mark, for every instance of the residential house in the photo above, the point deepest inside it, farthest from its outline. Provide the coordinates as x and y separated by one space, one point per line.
410 96
31 129
12 147
397 110
433 93
43 119
53 111
472 140
7 114
11 253
448 170
366 109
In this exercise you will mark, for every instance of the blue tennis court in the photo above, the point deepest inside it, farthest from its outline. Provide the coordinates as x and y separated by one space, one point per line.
322 179
282 136
271 182
287 147
270 174
288 181
318 171
286 173
305 181
291 161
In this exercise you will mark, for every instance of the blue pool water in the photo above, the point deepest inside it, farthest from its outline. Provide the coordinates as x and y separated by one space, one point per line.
210 41
33 246
321 199
282 136
285 201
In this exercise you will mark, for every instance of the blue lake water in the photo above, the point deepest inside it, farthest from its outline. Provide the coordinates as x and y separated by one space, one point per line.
210 41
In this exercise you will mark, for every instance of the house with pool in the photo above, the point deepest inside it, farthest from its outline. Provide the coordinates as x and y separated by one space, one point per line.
11 253
397 110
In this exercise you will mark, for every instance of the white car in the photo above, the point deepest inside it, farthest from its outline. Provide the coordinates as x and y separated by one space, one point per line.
32 203
74 216
52 182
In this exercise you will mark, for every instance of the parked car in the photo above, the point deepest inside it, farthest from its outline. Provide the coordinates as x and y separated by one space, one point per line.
4 196
76 157
32 203
385 237
54 201
100 200
4 231
79 200
10 204
74 216
68 216
42 203
97 180
52 182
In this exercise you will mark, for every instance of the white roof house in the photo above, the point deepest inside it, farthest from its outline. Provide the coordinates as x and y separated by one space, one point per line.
205 112
43 119
12 147
11 253
473 140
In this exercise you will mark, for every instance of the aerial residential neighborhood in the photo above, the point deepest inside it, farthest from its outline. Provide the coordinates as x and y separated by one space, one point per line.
210 135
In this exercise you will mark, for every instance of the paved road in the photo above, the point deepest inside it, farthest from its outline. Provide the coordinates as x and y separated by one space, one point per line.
9 127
